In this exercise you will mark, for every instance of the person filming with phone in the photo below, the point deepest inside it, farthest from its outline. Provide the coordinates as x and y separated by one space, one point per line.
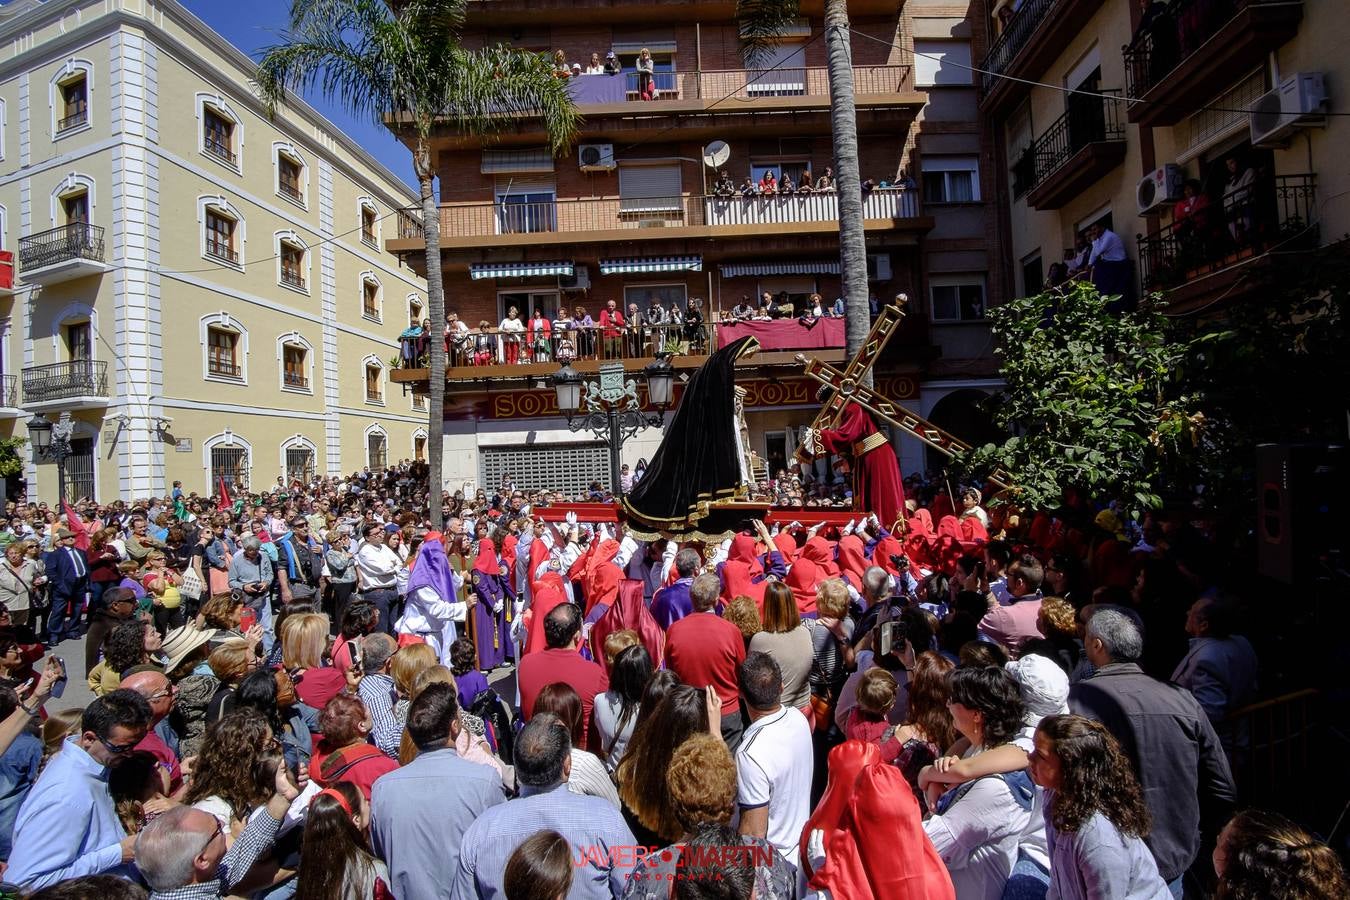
251 575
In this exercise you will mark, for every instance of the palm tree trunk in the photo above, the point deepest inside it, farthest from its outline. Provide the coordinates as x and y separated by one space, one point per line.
431 234
848 182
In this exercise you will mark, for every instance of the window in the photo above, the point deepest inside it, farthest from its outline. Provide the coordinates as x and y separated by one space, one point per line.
370 297
420 447
1033 277
218 135
369 220
76 208
299 464
74 97
570 468
941 63
292 258
220 237
781 73
951 179
229 465
642 295
650 188
797 168
295 367
957 298
419 401
526 205
289 178
222 353
526 302
79 341
376 451
374 383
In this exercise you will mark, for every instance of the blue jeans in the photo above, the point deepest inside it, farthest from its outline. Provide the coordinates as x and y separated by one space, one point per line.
1027 881
1177 887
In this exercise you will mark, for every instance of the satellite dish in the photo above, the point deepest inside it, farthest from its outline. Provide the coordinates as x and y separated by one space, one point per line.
716 154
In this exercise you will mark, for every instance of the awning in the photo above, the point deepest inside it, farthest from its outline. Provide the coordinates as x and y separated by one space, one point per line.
642 264
478 271
817 267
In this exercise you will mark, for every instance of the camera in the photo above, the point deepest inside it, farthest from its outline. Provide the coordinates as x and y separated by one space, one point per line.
900 561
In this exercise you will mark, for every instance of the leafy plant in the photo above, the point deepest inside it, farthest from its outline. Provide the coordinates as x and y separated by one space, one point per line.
1092 398
11 463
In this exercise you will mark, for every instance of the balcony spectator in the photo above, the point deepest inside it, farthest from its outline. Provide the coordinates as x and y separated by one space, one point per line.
585 326
612 65
837 309
540 337
611 330
904 182
1237 199
646 73
724 186
806 186
768 184
744 310
765 311
1154 50
1078 257
788 186
826 181
560 68
512 330
656 319
409 341
576 70
1190 221
693 325
456 337
1109 265
636 331
748 188
484 345
595 66
783 307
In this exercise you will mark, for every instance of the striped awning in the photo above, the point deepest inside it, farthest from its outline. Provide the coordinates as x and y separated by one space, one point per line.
808 267
637 265
478 271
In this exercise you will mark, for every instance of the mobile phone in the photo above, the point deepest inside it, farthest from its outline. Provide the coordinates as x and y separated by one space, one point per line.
247 619
358 656
886 638
59 686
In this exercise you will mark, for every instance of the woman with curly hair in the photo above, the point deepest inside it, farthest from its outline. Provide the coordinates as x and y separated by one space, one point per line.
132 643
235 768
980 828
1095 818
1262 855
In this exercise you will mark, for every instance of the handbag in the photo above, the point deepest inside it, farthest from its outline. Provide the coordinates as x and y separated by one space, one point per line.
192 586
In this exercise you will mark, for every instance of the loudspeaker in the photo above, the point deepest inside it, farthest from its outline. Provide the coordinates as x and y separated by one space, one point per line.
1301 495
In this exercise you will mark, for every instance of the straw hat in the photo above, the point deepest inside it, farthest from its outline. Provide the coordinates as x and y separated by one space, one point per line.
179 644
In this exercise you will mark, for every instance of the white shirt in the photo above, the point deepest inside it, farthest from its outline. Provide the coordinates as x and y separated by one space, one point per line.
378 565
773 768
1107 248
589 778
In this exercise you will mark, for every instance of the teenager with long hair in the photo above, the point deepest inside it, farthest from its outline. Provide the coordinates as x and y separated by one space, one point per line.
616 710
1095 818
335 860
642 774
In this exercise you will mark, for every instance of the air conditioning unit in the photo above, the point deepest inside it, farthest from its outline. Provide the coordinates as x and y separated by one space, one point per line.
1298 102
1158 188
579 280
596 157
879 267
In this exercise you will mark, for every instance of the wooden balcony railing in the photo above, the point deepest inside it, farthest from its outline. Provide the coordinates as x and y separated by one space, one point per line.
65 380
506 216
1242 225
77 240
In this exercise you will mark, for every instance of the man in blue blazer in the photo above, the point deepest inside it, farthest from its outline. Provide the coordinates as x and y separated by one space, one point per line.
68 578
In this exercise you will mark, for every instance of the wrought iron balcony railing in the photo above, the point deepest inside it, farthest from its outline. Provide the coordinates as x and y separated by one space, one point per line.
1087 121
1174 34
65 380
76 240
9 391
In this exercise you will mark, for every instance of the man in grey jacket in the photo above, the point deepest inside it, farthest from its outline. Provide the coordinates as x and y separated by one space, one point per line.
1166 734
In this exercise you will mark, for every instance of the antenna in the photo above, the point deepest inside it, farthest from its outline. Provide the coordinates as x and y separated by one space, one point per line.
716 154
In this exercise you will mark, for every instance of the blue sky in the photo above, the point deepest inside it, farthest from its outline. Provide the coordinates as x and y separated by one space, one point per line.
254 24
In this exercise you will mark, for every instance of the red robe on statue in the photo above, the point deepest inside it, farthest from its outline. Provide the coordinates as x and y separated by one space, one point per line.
877 487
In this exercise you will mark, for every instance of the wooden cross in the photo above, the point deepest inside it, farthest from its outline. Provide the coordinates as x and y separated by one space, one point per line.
847 386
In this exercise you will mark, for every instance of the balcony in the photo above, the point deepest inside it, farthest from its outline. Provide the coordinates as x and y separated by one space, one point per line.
290 190
74 120
9 397
574 220
1035 36
61 254
1206 255
221 151
1074 153
294 279
1197 48
222 251
475 359
723 86
295 380
76 384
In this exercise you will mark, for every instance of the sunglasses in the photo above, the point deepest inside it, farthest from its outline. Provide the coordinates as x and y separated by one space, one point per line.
117 749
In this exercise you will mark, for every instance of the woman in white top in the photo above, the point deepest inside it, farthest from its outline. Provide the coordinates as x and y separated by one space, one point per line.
588 776
595 66
616 710
512 330
986 827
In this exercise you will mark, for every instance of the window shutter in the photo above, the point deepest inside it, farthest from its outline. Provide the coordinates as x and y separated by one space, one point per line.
525 184
649 187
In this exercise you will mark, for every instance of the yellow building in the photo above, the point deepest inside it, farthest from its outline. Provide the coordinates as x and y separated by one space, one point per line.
1228 97
202 289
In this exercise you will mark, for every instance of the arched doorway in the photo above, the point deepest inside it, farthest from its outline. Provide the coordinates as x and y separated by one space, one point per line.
962 414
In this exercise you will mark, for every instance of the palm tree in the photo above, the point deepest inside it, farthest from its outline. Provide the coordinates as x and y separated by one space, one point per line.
402 65
762 23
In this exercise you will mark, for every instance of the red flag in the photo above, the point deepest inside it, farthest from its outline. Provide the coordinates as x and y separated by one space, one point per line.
75 524
224 502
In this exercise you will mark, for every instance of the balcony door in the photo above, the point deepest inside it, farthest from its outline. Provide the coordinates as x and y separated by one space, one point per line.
1087 112
526 205
80 469
781 73
79 340
526 302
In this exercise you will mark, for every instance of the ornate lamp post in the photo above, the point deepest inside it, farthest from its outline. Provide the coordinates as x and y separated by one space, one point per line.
611 410
52 442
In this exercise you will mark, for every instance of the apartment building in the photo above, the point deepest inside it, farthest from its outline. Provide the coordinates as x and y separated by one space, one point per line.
632 215
1226 96
202 290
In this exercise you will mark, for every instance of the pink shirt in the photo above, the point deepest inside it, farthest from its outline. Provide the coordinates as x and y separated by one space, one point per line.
1014 624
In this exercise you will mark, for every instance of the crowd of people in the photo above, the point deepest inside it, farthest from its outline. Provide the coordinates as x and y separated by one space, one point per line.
302 693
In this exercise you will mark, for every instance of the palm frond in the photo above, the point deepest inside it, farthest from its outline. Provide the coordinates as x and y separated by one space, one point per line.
761 24
488 87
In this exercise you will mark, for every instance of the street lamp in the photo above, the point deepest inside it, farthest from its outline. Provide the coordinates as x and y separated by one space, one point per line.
611 410
52 442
